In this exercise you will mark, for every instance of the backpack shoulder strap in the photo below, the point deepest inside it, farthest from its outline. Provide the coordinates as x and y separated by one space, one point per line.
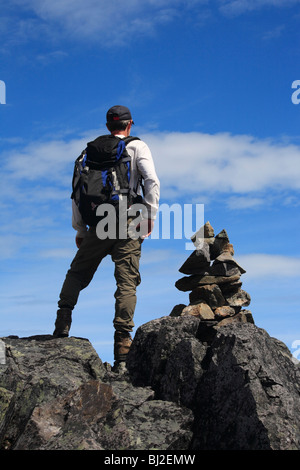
122 145
127 140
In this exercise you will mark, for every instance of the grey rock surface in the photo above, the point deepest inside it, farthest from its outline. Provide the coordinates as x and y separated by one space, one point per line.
56 394
190 385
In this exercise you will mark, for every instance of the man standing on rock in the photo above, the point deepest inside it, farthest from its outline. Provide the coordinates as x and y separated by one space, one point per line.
125 251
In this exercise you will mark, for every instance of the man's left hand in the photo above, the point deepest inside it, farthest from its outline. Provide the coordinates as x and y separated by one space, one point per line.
146 227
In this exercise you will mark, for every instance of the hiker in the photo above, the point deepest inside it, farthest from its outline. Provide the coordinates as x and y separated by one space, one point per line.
124 251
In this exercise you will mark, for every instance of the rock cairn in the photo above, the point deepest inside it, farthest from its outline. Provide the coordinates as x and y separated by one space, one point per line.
214 281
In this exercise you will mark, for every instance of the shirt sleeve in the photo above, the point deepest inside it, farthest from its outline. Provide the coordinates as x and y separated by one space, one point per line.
146 168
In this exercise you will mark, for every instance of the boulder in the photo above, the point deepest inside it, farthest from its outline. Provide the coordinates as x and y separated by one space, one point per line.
201 310
248 398
56 394
210 293
190 385
242 385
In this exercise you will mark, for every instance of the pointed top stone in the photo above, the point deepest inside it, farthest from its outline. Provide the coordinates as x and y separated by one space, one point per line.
223 234
226 257
198 262
206 231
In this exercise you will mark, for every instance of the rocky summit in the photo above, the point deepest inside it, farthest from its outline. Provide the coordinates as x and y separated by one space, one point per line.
204 377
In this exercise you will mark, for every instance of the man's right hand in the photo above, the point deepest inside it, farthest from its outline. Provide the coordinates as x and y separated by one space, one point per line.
145 227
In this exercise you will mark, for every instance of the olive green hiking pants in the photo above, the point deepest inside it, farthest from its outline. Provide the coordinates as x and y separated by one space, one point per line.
125 253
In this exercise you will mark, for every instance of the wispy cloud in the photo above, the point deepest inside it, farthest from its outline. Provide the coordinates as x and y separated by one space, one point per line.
45 160
237 7
97 20
58 253
273 33
50 57
109 23
245 202
11 244
260 266
188 164
251 173
223 163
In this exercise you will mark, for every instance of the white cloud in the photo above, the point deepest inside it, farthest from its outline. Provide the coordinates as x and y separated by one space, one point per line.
260 266
256 265
222 163
191 167
44 159
188 164
245 202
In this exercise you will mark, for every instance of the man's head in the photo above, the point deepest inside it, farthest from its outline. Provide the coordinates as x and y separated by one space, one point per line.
118 118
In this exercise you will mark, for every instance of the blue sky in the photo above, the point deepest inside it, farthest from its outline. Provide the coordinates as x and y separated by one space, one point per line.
209 84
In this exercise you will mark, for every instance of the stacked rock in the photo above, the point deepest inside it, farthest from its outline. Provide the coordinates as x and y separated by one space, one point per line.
213 280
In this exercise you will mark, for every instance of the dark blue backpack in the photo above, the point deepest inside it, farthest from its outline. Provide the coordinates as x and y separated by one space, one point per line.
101 175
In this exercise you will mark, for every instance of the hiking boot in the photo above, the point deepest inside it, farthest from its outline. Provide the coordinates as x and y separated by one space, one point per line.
122 343
63 323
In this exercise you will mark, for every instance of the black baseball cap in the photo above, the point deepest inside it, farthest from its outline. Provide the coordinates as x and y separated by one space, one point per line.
118 113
